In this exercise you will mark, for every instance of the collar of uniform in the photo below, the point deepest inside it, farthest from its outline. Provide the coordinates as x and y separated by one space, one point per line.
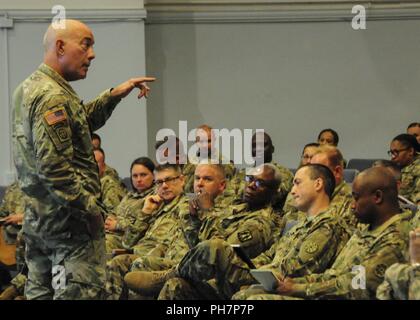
56 77
144 193
416 162
338 188
385 225
172 204
320 216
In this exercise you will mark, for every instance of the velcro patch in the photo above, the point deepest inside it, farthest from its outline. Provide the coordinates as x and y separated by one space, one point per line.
55 116
245 236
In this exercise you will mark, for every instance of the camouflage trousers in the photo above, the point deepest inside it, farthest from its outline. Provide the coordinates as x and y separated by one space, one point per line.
65 269
211 270
120 265
402 282
113 241
257 292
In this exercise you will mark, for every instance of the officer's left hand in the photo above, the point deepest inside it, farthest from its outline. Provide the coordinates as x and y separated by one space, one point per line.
122 90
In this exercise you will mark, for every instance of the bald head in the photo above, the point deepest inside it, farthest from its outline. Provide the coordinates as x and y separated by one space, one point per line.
375 196
72 28
378 178
69 50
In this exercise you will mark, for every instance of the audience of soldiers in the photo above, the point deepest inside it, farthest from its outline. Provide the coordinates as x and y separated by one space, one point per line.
203 229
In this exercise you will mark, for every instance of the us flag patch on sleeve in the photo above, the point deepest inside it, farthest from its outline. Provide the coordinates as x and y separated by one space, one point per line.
55 116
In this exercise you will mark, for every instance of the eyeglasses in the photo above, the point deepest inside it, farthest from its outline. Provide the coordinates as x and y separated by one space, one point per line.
168 181
396 152
258 182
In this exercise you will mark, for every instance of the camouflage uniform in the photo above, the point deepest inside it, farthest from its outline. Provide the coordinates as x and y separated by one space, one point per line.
237 185
410 181
126 213
211 269
157 233
340 205
12 203
112 192
372 251
309 247
109 171
56 168
402 282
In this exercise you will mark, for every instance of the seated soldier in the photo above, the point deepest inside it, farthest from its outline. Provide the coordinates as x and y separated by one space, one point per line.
12 209
414 130
237 185
158 223
307 153
404 151
361 265
205 141
97 144
328 137
402 280
112 190
341 200
314 243
127 212
251 224
405 204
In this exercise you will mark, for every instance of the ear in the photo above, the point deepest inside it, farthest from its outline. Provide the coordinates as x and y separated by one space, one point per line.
378 196
272 149
59 47
222 186
319 184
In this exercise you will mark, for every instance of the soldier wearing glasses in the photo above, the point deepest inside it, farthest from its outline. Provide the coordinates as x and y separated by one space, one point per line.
404 151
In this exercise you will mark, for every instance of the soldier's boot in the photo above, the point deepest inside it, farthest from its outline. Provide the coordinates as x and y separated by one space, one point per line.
148 283
9 293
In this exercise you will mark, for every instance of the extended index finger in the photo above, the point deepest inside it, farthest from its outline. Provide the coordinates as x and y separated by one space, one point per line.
140 80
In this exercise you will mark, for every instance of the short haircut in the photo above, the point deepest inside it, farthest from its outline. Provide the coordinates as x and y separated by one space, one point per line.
414 124
312 144
333 132
168 166
145 162
395 169
95 136
275 183
276 174
214 163
317 171
408 141
335 157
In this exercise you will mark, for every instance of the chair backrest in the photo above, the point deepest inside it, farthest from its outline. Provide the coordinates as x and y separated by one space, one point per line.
350 174
360 164
127 182
2 192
